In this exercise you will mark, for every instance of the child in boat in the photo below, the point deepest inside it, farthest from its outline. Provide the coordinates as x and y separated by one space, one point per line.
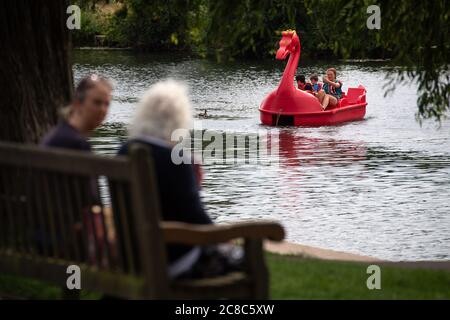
308 87
301 81
315 85
302 84
331 91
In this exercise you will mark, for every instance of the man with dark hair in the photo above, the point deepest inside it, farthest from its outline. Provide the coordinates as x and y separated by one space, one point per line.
301 81
302 84
86 112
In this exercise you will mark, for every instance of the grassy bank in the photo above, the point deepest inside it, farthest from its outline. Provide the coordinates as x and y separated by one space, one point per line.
298 278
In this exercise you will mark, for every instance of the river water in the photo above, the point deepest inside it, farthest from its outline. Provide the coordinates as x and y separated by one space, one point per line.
378 187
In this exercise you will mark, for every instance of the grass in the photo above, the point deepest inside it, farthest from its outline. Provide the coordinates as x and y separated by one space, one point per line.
294 277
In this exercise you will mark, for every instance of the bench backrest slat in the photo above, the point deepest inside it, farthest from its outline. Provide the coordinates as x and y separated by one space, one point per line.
64 161
124 226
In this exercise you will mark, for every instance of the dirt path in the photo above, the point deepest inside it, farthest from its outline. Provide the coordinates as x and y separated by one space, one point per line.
313 252
289 248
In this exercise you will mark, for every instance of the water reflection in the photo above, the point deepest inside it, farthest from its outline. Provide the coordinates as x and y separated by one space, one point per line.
296 150
108 138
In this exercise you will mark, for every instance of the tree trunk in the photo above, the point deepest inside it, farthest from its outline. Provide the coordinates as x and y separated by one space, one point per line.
36 71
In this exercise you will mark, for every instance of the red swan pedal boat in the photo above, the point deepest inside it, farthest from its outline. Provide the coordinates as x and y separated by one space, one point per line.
288 105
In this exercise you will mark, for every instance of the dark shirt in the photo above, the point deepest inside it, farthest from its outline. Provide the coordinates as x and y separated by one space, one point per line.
178 190
63 135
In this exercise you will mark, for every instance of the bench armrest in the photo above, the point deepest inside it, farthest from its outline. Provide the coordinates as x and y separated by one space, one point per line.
196 234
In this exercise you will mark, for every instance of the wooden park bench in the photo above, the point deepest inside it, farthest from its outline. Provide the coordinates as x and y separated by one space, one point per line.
45 227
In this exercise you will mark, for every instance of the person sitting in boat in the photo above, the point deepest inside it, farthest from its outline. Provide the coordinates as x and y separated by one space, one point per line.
308 87
315 85
331 91
301 81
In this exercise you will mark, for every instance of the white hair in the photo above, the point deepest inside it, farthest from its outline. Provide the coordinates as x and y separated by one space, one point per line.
163 108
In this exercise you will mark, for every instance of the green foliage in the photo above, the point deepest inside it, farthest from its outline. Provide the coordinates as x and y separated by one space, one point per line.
136 23
117 28
198 21
336 22
419 33
252 28
92 24
413 33
151 24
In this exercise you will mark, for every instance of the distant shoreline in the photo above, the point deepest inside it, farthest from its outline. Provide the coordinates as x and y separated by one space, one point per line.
364 60
104 48
307 59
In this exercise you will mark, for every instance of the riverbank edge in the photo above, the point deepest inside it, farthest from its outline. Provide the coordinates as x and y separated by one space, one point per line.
104 48
295 249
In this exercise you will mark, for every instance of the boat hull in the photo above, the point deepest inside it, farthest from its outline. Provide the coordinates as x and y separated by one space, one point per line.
331 117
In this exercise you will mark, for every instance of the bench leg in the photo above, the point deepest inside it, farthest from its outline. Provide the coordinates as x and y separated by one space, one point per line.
256 268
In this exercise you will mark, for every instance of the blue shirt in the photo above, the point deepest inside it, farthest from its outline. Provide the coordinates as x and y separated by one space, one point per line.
316 87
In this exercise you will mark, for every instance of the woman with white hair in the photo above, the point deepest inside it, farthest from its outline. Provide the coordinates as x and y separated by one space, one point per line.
164 108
